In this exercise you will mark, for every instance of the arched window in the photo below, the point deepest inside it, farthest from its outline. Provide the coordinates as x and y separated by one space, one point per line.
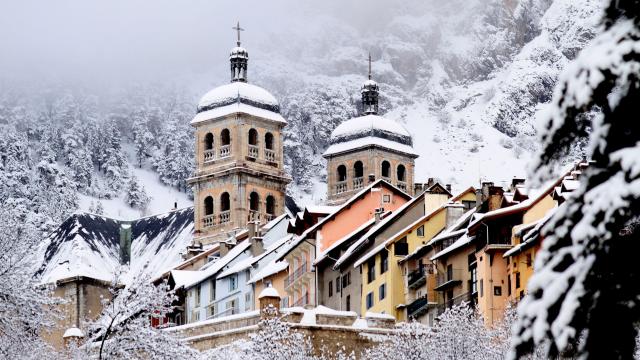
342 173
385 169
208 141
271 205
268 141
254 201
401 173
358 169
208 205
225 202
225 137
253 137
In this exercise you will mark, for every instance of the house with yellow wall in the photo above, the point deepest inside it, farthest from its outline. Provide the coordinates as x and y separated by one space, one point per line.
383 281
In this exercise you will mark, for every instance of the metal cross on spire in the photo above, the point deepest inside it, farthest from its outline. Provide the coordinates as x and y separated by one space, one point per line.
369 65
238 29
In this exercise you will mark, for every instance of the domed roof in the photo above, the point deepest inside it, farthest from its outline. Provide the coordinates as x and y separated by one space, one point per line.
239 92
370 130
238 51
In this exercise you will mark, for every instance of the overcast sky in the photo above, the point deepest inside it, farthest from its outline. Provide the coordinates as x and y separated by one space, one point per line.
139 39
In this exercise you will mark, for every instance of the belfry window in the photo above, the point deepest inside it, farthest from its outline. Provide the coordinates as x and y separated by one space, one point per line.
225 137
253 137
358 169
208 205
385 169
401 173
225 202
271 205
208 141
342 173
268 141
254 201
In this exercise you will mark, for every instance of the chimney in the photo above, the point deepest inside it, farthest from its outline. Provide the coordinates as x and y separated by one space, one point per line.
372 178
495 197
224 248
378 214
515 182
453 212
430 182
448 187
175 205
257 246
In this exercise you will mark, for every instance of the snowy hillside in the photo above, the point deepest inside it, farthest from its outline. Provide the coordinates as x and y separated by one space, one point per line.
468 78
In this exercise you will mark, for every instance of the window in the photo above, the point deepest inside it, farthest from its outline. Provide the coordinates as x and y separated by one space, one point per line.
348 303
254 201
521 294
529 260
385 169
208 141
401 173
420 231
271 205
253 137
344 281
468 204
231 307
517 280
474 280
371 270
369 300
338 285
208 205
211 310
247 301
384 261
198 296
358 169
196 315
509 285
449 272
225 202
382 292
497 290
481 288
212 291
268 141
330 288
401 247
225 137
342 173
233 282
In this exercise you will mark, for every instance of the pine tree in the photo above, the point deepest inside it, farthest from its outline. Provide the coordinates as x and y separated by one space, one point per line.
136 197
143 140
585 291
99 208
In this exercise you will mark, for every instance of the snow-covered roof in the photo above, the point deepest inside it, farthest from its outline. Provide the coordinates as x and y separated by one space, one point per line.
89 245
274 267
73 332
364 142
213 268
237 108
269 292
368 124
360 228
462 241
247 263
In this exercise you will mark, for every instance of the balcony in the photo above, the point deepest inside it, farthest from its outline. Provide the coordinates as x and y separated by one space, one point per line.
417 278
225 151
253 151
302 301
358 183
301 270
270 155
209 155
448 280
402 185
225 217
455 301
419 306
341 187
209 221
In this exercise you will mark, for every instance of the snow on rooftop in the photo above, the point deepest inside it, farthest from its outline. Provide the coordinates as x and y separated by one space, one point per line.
236 108
269 292
462 241
372 315
73 332
321 209
364 142
218 265
235 90
368 123
271 268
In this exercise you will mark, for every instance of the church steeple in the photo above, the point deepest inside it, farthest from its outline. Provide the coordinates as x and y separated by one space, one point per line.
239 58
369 93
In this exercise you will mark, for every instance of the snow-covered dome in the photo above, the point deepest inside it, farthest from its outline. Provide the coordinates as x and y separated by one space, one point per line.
238 92
239 51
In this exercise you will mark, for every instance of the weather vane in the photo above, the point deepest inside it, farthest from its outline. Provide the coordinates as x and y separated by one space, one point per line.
238 29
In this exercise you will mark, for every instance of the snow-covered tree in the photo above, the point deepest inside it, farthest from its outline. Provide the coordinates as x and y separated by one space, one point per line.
99 208
585 291
136 197
27 307
410 342
124 331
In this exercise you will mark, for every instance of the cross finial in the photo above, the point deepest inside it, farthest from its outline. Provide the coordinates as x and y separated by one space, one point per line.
369 65
237 28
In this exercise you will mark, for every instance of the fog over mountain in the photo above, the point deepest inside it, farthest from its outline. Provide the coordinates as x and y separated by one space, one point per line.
467 78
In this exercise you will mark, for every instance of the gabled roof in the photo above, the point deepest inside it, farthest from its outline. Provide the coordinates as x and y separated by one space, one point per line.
215 267
345 239
347 204
531 236
247 263
463 240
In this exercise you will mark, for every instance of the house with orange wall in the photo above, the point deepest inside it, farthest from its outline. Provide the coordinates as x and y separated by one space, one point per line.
377 198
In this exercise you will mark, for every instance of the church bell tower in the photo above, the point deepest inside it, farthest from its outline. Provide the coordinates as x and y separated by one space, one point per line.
239 175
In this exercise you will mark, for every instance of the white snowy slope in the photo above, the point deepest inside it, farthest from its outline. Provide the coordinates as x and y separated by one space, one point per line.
89 245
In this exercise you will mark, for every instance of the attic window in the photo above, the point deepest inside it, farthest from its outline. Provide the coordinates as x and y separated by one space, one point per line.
386 199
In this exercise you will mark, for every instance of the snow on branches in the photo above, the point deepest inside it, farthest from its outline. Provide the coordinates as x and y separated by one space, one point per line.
585 277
